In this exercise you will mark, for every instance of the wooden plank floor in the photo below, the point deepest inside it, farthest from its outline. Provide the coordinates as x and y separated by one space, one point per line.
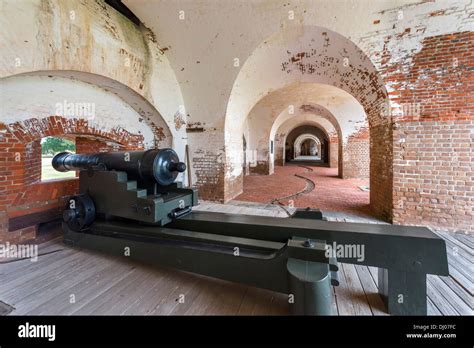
67 281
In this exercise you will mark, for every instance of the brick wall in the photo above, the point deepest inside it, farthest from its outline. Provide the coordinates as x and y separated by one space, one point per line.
357 155
233 187
260 168
434 174
381 172
207 161
91 145
209 171
433 134
209 165
32 159
333 152
21 190
279 148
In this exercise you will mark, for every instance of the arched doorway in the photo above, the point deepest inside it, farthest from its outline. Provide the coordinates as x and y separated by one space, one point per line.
94 118
307 147
307 143
305 77
284 125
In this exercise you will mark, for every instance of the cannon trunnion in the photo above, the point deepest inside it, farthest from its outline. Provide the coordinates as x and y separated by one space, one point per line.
129 201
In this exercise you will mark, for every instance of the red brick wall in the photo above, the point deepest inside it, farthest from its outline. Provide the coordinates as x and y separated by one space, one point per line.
210 175
381 172
434 176
91 145
234 187
433 137
357 155
211 181
279 148
209 166
21 189
333 151
32 160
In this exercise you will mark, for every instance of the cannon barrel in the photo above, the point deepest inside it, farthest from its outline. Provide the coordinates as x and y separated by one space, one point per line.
156 165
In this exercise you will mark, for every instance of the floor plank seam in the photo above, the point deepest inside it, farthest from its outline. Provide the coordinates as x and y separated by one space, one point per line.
242 299
124 275
27 258
365 291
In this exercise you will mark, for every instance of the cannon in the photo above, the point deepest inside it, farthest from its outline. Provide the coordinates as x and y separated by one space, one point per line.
162 166
138 185
130 201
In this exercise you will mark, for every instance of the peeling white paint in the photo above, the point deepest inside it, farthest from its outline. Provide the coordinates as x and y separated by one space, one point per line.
42 36
26 97
259 33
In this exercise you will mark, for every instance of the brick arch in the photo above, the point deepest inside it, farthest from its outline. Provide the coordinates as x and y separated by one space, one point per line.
312 124
304 110
301 130
147 112
34 129
319 100
24 137
21 190
309 114
115 55
27 121
302 138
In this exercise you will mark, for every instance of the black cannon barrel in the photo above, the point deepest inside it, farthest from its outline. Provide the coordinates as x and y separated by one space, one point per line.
160 165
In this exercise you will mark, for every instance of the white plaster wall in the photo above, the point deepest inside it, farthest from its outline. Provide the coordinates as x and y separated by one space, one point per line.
165 94
89 36
26 97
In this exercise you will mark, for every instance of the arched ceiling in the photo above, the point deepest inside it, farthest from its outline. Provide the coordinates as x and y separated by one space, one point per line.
47 95
342 109
96 44
304 115
301 138
309 55
202 37
148 112
306 120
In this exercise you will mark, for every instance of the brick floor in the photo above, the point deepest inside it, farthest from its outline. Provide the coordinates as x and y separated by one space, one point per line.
329 194
264 188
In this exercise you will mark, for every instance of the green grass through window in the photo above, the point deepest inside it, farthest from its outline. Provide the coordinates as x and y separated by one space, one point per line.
50 146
